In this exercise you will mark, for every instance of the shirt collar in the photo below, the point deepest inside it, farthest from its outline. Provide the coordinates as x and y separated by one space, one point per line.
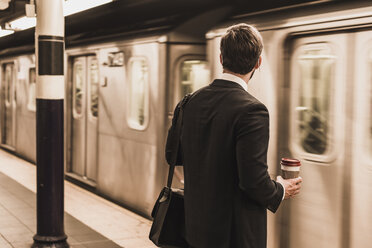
235 79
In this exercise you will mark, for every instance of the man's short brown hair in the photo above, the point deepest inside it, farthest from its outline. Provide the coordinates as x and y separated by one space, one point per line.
241 47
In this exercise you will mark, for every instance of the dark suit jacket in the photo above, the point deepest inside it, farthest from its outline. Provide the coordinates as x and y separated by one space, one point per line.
227 186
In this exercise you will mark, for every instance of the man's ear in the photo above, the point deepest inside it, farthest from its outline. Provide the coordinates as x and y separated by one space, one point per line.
258 64
221 59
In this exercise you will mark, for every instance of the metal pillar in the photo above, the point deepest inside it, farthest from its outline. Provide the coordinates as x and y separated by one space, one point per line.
49 44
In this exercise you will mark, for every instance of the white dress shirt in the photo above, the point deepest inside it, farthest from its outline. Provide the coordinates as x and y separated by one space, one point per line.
241 82
236 79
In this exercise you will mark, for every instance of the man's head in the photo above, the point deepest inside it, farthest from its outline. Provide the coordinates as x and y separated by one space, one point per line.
241 47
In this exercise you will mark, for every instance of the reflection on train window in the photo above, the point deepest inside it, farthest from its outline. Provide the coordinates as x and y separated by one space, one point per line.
93 71
139 93
31 103
315 68
194 75
78 92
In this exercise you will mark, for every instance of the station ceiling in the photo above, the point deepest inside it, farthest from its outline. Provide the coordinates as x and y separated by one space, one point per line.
17 7
131 16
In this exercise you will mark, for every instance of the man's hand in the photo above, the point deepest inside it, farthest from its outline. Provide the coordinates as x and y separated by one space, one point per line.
292 186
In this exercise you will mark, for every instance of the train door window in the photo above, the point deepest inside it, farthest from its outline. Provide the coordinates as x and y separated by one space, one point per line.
93 77
138 93
8 108
314 72
78 89
8 80
31 103
194 75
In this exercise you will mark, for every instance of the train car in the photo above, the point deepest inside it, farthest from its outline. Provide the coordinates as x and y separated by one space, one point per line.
120 92
116 107
315 80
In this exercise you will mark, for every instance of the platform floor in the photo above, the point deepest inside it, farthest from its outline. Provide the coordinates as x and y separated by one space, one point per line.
90 221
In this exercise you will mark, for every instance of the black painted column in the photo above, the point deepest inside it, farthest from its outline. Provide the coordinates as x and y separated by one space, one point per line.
49 39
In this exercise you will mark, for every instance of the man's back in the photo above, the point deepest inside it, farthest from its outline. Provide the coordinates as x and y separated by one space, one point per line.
227 188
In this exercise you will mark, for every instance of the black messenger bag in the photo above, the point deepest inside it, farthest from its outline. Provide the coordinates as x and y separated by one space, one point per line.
168 227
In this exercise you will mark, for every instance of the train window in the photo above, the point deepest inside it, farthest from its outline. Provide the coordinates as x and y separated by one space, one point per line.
194 75
139 93
31 103
116 59
314 69
78 91
93 71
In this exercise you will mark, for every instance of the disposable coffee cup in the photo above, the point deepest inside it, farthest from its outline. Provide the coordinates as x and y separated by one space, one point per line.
290 167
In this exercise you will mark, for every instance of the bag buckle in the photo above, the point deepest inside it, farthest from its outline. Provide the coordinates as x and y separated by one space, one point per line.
166 193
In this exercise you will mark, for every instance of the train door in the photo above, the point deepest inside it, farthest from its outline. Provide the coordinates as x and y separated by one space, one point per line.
84 126
189 71
8 105
316 136
361 187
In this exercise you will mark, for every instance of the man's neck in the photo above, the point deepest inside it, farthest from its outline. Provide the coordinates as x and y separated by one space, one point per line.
245 77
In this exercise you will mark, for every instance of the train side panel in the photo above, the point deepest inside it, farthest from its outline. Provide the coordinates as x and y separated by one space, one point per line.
127 163
361 172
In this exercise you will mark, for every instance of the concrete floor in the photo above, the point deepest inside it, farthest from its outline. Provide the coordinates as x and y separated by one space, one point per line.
90 221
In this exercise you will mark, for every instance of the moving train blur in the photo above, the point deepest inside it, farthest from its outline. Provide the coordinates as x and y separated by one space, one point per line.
122 85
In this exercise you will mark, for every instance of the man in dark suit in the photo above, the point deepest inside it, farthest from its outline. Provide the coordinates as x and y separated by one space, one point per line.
224 145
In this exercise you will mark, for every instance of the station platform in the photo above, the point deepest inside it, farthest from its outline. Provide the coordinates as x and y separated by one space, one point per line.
90 221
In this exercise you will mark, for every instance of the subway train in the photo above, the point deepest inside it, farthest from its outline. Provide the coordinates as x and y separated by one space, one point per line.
315 79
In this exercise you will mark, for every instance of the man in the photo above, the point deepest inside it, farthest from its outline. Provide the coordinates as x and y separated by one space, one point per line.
224 145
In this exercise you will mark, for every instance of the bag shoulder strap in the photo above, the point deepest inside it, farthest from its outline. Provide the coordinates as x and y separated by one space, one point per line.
181 106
